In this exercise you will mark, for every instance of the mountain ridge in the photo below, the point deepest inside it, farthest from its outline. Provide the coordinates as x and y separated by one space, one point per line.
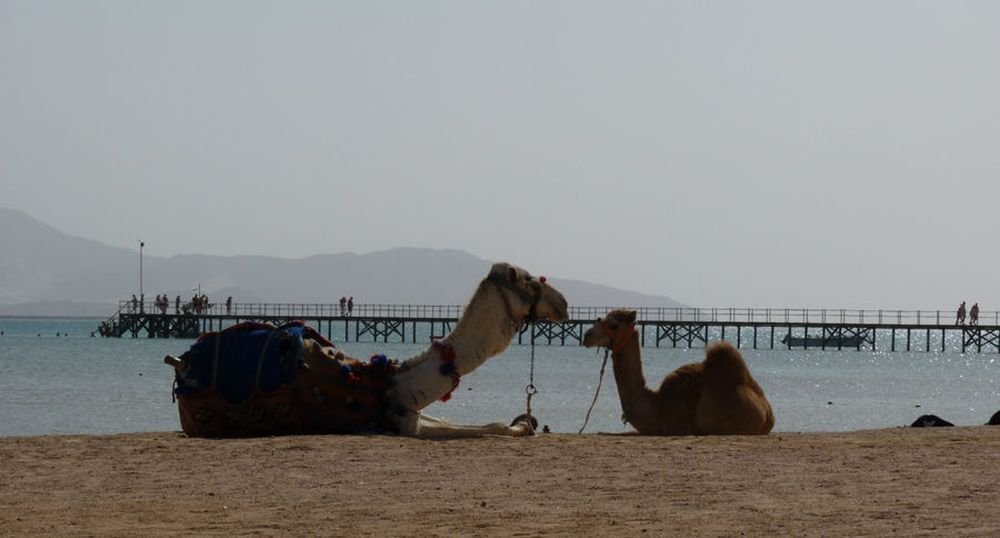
44 266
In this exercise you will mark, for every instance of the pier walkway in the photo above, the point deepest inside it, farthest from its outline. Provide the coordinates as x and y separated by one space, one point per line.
754 328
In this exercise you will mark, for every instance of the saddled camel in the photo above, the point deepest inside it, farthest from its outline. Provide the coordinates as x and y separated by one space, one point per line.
715 397
334 393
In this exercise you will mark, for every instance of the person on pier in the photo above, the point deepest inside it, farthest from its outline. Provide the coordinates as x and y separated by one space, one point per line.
960 316
350 305
343 306
229 305
974 314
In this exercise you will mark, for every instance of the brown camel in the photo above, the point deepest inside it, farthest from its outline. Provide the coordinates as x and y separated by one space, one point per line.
714 397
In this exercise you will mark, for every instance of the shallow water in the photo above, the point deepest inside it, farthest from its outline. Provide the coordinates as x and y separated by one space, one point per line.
73 383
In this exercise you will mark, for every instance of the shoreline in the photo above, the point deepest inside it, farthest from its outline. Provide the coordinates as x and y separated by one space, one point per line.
903 481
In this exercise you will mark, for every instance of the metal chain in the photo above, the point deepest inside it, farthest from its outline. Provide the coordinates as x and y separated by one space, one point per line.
531 390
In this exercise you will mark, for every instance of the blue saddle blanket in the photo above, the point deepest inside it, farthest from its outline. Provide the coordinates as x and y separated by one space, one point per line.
245 359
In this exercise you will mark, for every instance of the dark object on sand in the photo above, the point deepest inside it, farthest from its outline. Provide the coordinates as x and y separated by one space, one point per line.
930 421
523 417
994 420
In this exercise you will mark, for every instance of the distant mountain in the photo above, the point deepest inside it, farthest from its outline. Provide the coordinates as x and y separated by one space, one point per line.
46 272
58 309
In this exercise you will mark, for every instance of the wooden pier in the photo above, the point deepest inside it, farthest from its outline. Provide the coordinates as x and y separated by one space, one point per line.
760 328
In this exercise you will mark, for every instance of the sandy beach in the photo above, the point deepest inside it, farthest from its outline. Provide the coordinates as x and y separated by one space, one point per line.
904 482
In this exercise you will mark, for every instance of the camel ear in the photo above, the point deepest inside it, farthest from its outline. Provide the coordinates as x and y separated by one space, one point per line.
512 274
631 316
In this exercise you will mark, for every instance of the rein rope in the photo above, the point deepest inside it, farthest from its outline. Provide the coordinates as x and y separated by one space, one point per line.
600 380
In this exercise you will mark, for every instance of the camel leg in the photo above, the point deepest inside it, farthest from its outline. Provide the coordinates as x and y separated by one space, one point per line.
420 425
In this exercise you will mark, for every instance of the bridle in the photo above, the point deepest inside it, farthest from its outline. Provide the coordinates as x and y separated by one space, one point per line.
530 297
619 340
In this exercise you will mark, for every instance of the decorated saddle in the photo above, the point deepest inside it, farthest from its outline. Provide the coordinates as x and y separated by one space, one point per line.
257 379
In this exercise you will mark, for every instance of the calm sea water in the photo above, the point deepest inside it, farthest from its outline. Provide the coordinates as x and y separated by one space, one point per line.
73 383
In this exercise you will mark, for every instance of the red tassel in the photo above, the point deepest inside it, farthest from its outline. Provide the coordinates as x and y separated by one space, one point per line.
447 355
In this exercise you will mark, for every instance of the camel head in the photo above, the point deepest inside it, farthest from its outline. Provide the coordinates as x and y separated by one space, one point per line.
611 331
527 297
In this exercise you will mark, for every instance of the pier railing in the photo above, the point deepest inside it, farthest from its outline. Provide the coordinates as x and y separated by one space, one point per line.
302 310
795 316
650 314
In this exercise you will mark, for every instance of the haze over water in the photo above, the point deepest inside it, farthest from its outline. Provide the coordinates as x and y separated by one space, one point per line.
78 384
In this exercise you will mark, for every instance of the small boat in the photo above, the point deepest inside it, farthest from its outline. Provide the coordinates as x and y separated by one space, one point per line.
823 341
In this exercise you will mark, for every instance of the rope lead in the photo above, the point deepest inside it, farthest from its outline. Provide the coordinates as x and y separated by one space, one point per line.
597 392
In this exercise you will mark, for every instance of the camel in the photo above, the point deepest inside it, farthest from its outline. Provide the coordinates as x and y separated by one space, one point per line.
714 397
393 395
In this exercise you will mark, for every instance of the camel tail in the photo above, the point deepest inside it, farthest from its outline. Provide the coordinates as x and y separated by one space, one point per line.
725 365
768 421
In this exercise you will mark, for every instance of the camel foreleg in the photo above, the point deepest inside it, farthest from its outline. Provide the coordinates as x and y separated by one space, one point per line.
420 425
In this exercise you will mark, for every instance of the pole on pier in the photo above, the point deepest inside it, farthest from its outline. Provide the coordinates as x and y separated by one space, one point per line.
141 245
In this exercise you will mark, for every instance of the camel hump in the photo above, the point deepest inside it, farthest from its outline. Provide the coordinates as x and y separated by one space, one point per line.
724 365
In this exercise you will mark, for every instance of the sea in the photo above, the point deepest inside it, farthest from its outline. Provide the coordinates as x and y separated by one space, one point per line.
56 378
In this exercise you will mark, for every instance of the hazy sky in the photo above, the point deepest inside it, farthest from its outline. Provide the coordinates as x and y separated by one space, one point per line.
787 154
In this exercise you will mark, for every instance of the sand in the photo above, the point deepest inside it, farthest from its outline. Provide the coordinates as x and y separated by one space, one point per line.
903 482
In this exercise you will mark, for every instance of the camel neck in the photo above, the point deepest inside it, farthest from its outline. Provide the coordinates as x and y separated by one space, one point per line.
636 399
484 331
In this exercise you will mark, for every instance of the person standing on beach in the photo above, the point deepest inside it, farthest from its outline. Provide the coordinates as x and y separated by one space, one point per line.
974 314
960 316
